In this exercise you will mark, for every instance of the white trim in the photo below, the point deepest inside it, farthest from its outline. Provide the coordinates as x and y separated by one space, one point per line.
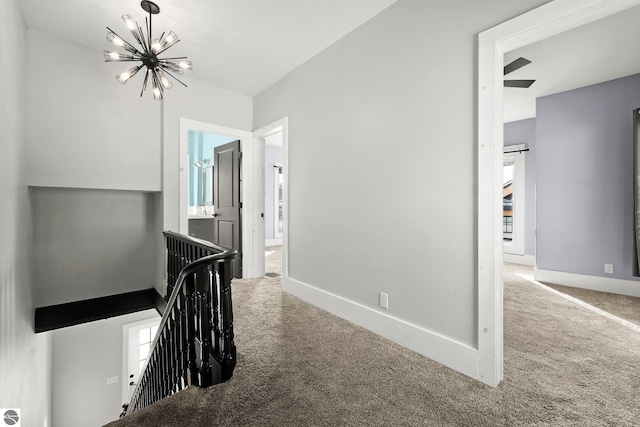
451 353
519 259
273 242
545 21
246 188
594 283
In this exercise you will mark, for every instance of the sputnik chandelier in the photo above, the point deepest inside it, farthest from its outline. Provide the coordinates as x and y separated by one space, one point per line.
155 69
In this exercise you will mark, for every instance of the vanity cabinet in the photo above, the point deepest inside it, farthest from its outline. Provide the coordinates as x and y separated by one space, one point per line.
201 228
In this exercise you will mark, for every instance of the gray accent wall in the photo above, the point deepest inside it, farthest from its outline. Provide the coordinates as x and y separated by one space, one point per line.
524 132
93 243
584 173
382 137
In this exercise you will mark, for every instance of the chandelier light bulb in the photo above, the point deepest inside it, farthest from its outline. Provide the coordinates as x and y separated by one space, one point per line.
125 76
129 21
156 68
113 38
156 46
166 83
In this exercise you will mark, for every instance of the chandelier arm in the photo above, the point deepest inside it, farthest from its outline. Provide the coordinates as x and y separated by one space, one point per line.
163 60
158 53
169 73
141 39
157 85
136 35
122 60
144 84
131 49
149 30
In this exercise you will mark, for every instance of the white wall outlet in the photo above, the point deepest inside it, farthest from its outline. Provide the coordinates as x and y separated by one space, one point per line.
608 268
384 300
112 380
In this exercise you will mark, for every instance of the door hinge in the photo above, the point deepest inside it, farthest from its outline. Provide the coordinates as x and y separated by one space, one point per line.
240 205
240 154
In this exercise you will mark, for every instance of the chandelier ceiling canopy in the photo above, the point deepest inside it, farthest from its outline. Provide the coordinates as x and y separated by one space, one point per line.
156 69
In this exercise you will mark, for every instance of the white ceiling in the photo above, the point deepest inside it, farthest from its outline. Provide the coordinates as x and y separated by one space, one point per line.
241 45
601 51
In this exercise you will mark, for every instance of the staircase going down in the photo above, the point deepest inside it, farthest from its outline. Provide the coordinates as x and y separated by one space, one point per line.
194 345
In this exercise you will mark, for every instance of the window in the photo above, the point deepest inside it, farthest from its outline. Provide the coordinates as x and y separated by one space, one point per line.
278 180
137 341
513 200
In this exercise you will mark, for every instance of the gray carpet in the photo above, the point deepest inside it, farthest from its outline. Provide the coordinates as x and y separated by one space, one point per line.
625 307
300 366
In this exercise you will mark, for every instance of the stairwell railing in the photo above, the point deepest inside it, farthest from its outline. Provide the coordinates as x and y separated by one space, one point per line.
194 344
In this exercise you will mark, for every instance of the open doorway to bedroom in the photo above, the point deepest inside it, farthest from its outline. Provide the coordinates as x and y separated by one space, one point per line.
273 139
544 22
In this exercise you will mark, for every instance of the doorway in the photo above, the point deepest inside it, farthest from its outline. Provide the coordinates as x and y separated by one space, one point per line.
186 212
547 20
273 142
137 342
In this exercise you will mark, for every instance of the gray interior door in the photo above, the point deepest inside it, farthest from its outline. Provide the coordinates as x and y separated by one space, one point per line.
226 200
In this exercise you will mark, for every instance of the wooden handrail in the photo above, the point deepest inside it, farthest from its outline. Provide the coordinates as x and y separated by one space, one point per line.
194 344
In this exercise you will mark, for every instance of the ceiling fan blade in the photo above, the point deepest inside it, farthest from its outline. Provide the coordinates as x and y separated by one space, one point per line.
518 83
517 64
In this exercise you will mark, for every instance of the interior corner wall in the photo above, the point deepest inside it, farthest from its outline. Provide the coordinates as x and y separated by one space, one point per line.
24 360
84 357
381 173
584 173
524 132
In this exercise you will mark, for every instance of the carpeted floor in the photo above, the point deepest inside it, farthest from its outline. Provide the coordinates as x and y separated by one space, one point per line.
300 366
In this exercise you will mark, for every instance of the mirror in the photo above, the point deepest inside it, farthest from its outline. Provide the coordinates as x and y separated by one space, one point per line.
207 186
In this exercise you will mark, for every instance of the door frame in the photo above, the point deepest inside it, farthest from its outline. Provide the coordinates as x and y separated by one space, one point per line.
246 187
259 139
547 20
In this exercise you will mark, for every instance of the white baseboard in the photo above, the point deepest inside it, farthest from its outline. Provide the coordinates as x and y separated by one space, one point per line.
594 283
444 350
273 242
519 259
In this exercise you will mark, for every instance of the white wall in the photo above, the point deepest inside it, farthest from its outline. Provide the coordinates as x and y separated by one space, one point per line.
84 356
390 111
85 129
24 360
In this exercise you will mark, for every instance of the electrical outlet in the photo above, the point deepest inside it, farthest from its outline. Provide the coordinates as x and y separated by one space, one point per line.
112 380
608 268
384 300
